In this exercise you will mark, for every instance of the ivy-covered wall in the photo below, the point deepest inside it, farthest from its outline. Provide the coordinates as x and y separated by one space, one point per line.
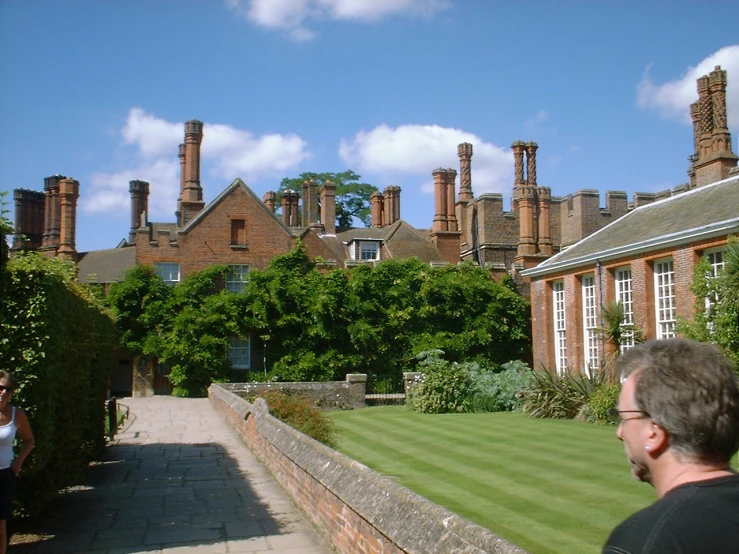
56 338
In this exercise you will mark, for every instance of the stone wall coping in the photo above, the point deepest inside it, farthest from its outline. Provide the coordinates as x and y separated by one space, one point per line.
412 522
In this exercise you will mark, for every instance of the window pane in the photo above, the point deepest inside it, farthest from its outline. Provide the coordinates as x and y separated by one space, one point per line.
590 323
168 271
236 277
239 353
560 345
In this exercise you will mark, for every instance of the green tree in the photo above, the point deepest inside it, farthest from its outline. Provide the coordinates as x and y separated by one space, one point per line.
352 196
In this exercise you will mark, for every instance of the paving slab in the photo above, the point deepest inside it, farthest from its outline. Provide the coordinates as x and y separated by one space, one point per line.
177 479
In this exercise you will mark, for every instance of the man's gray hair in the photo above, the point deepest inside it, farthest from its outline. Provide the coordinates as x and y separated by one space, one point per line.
691 390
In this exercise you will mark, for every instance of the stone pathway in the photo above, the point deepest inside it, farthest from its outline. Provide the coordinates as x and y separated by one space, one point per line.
177 479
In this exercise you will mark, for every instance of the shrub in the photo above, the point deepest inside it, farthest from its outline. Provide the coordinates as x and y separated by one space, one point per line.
602 399
558 396
443 387
499 391
300 414
56 338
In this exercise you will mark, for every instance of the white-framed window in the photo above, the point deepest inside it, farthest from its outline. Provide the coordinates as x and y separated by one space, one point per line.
590 323
168 271
560 341
715 259
236 277
369 250
625 296
664 294
239 353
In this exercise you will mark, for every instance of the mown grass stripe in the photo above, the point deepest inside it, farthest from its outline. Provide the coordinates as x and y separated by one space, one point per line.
460 494
535 487
518 460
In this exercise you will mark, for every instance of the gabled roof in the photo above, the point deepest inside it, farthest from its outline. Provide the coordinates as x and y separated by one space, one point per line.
702 213
106 266
404 241
224 194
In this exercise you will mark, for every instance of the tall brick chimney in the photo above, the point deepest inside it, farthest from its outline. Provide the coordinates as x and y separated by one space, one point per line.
181 154
391 208
285 205
69 192
29 219
139 191
310 203
192 195
544 195
451 216
290 200
377 203
51 211
440 200
464 151
269 200
328 207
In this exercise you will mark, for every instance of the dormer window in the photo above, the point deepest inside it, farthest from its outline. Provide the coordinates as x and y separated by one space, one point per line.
369 250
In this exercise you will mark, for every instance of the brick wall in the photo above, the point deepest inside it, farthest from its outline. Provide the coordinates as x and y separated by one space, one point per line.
684 259
356 509
328 395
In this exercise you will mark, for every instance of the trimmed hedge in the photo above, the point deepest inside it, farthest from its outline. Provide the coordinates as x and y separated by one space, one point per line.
56 338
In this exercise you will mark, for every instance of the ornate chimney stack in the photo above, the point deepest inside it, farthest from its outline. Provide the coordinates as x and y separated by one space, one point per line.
721 138
328 207
310 203
531 148
192 194
69 192
290 208
139 191
269 200
705 105
464 151
526 203
451 216
440 200
518 147
51 211
715 159
377 202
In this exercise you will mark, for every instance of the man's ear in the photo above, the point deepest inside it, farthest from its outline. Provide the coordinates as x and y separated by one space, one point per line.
657 440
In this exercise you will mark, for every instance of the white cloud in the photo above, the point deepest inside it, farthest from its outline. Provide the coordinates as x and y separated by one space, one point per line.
291 15
672 99
419 149
226 153
153 136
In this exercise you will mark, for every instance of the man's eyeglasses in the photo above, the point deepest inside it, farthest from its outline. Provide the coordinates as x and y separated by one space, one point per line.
3 388
614 415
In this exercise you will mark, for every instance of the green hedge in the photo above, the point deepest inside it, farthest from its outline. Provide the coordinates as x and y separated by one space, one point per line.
56 338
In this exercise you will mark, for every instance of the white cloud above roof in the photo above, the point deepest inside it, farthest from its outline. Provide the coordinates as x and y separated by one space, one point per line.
292 16
672 99
226 153
419 149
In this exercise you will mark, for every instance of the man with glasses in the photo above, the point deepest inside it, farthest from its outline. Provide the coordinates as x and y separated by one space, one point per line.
678 417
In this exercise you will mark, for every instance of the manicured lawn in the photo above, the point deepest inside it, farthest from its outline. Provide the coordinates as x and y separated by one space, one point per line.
546 485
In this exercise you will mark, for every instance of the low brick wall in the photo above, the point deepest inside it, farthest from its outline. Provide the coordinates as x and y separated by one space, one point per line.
327 395
357 509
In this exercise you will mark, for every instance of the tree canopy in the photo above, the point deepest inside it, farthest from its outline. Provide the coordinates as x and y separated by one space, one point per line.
352 196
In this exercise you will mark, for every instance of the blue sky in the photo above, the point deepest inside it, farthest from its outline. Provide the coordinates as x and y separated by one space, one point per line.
100 91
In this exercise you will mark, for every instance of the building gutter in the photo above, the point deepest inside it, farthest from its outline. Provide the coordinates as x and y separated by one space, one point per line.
665 241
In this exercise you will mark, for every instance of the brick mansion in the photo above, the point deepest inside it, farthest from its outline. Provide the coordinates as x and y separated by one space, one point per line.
556 244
